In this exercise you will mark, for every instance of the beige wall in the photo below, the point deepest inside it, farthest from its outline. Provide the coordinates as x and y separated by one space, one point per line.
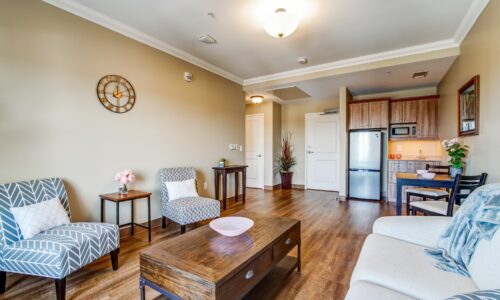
480 54
272 134
293 119
51 123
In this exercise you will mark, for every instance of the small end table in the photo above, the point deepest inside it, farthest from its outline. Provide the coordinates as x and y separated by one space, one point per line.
236 169
131 196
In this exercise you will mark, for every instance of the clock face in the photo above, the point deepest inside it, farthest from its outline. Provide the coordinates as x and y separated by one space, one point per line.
116 93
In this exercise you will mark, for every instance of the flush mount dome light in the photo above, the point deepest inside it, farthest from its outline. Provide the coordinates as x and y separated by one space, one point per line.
257 99
282 23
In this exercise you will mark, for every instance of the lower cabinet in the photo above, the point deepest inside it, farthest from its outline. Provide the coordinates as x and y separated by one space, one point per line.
403 166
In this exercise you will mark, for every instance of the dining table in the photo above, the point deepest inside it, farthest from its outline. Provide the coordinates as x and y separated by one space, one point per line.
413 179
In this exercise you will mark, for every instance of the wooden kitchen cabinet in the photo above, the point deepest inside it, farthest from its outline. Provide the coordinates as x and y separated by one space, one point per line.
359 115
368 114
379 114
403 112
427 118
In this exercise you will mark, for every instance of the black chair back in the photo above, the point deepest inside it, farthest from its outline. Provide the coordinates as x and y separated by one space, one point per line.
469 184
453 195
445 170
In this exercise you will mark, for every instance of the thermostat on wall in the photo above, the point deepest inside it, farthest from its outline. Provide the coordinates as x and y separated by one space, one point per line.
188 76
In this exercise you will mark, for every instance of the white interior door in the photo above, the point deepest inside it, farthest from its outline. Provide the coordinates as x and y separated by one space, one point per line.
322 152
254 150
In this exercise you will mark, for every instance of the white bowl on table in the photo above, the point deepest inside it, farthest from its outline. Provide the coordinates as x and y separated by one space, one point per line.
421 172
428 175
231 226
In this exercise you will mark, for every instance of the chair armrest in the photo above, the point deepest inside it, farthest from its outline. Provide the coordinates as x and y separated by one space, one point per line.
420 230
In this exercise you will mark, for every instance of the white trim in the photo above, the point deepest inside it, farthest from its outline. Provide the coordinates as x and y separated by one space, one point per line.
367 59
80 10
469 20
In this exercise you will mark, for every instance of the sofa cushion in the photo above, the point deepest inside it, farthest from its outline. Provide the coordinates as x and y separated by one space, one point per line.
190 210
484 267
362 290
60 250
404 267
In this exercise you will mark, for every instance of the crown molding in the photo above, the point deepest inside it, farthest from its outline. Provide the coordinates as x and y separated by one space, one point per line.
114 25
361 60
470 19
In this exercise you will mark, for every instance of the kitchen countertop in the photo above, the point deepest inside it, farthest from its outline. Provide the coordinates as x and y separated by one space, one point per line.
414 158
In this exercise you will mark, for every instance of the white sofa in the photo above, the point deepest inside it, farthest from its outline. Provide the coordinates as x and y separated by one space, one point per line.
392 263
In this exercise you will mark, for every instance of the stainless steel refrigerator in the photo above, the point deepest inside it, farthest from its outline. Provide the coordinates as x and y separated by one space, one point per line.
365 164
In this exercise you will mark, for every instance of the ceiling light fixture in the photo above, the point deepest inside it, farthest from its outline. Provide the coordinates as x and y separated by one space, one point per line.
256 99
282 23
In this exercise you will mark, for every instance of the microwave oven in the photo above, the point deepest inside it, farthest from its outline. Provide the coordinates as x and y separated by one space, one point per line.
403 131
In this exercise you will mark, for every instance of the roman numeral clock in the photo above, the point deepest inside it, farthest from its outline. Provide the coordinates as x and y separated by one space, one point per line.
116 93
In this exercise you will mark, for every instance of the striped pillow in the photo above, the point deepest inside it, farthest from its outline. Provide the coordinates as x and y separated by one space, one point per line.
478 295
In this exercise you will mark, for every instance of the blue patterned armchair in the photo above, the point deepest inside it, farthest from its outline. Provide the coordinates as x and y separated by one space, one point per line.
54 253
186 210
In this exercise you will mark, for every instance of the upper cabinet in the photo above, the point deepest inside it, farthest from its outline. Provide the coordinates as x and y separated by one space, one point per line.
427 119
422 111
369 114
403 111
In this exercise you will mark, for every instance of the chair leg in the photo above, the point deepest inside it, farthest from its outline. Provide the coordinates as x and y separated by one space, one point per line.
61 288
183 229
3 281
114 258
408 198
163 222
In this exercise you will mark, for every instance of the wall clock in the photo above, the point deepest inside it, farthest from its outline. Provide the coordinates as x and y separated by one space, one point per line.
116 93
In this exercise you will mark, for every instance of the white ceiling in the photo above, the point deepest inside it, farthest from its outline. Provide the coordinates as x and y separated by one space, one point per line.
330 31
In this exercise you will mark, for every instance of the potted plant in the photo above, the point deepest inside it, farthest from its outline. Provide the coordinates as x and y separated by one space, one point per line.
285 161
457 152
222 162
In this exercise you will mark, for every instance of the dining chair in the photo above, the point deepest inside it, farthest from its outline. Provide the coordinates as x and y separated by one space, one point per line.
466 184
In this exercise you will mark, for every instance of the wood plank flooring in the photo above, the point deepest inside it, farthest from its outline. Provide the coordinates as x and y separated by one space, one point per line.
332 235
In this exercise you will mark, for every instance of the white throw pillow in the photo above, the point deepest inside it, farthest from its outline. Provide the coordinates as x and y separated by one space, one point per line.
35 218
181 189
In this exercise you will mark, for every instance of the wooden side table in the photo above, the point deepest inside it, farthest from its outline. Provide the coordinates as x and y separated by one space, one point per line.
131 196
236 169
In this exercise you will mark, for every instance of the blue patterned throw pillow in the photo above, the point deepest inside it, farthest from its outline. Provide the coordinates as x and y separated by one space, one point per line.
478 295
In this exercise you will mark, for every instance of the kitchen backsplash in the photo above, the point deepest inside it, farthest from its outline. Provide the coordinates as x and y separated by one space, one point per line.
412 149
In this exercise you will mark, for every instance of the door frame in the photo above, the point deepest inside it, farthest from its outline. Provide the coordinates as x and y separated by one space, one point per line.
263 132
306 127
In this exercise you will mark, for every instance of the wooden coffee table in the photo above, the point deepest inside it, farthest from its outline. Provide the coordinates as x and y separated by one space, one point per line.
203 264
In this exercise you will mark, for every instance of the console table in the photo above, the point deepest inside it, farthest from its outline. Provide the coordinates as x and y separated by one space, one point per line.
236 169
131 196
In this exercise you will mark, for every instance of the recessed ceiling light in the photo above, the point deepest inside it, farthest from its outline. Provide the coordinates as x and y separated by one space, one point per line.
256 99
420 75
207 39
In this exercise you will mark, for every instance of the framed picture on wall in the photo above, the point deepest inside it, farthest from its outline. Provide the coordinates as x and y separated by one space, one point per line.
468 108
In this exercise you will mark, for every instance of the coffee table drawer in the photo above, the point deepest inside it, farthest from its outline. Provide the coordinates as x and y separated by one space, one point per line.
286 243
248 277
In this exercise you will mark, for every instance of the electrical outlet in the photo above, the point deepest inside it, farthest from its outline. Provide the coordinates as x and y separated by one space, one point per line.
233 146
205 186
399 148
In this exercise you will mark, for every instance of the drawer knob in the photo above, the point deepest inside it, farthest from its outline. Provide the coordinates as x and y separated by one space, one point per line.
288 241
249 274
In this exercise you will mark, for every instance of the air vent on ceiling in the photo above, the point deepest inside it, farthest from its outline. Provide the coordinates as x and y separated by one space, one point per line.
328 111
207 39
419 75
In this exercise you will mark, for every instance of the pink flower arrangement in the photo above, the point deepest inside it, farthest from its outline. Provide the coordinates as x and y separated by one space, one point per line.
125 176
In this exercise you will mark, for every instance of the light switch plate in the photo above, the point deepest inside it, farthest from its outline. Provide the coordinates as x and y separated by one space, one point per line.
205 186
241 148
233 146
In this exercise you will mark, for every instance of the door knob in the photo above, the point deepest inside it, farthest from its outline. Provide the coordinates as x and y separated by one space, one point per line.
310 152
259 155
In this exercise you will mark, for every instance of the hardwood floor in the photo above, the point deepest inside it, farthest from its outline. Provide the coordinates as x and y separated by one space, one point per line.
332 235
